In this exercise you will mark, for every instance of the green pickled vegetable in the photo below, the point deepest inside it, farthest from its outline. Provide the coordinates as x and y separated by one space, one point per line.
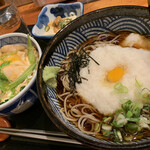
49 75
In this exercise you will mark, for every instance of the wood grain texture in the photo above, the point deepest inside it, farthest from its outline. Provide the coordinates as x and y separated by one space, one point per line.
31 11
108 3
22 2
44 2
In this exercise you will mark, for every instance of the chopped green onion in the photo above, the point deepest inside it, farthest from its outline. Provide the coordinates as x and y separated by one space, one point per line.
126 106
138 84
119 121
144 122
106 127
117 139
12 93
129 114
132 107
135 108
4 64
134 119
128 138
63 23
131 127
47 28
4 101
146 95
3 76
22 88
3 84
119 135
146 108
106 132
23 76
107 119
120 88
97 127
30 48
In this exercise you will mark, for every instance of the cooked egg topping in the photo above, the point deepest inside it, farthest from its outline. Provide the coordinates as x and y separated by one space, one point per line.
17 67
18 61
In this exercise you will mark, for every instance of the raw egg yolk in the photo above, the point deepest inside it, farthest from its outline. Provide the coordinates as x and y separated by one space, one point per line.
115 74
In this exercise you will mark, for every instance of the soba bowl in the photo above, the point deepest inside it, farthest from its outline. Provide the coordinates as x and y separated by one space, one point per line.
27 96
112 19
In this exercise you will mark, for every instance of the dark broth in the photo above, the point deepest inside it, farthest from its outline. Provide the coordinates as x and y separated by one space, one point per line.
77 99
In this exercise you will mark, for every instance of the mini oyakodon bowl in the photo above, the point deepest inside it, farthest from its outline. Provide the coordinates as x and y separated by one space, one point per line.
27 96
113 19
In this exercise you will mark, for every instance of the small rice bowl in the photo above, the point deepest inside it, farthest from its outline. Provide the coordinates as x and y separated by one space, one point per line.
99 91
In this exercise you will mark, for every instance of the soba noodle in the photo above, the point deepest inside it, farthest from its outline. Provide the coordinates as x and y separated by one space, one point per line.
74 107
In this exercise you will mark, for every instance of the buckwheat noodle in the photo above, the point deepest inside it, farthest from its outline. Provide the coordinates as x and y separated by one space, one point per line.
74 108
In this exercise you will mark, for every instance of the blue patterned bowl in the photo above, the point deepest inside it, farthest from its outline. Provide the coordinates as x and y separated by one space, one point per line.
50 12
27 96
119 18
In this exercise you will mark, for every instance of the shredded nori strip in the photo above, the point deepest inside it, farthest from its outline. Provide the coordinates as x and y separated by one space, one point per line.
90 56
78 61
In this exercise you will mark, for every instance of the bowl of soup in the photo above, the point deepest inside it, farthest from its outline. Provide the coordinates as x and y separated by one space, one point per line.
94 78
19 57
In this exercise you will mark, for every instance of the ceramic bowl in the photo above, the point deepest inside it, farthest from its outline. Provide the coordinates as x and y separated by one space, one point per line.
50 12
119 18
26 98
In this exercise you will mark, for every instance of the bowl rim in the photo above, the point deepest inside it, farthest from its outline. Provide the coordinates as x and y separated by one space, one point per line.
20 94
51 5
44 101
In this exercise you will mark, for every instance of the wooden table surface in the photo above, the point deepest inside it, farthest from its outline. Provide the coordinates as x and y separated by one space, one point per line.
30 11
